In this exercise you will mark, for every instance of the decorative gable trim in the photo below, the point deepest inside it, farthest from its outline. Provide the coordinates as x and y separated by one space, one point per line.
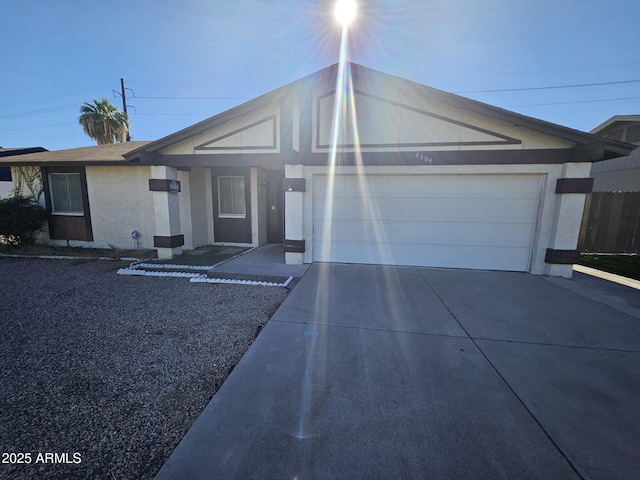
210 145
500 138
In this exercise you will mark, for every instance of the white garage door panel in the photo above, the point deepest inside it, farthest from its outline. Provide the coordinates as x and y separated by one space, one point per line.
469 234
474 210
485 258
457 221
439 187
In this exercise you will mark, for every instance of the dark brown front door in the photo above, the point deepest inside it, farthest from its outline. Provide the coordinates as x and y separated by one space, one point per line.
275 206
231 205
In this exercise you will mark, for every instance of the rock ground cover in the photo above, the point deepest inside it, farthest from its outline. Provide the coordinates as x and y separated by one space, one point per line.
113 368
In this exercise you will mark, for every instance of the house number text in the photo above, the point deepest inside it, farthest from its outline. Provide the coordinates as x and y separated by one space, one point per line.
424 158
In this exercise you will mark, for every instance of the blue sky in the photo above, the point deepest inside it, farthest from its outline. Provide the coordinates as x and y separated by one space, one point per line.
58 54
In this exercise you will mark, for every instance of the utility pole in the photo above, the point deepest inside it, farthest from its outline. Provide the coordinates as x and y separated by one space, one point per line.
124 106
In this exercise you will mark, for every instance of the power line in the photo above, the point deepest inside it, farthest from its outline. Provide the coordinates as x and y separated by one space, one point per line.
38 112
574 102
195 98
535 72
40 126
550 87
176 114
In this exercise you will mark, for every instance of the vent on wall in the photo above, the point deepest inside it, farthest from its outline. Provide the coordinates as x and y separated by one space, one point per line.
628 132
633 133
615 134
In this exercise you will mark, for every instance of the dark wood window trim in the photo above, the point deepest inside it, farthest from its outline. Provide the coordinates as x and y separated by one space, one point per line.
59 229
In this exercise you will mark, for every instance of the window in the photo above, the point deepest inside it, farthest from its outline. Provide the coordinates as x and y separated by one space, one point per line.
5 174
231 197
66 194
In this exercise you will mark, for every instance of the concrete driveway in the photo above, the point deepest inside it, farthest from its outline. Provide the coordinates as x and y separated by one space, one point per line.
383 372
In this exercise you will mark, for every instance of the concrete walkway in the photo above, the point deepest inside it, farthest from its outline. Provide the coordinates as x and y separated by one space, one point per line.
266 260
383 372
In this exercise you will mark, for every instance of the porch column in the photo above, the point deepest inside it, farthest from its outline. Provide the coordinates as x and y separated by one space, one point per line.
165 187
294 243
571 189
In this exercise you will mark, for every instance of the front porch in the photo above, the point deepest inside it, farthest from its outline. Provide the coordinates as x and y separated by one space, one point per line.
231 206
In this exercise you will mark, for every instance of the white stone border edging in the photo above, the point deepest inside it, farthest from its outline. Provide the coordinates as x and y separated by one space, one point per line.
205 279
170 266
147 273
133 270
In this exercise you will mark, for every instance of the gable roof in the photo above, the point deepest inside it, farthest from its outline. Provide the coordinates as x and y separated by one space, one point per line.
590 146
615 119
95 155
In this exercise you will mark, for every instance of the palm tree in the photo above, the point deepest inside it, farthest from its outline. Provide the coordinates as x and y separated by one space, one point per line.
103 122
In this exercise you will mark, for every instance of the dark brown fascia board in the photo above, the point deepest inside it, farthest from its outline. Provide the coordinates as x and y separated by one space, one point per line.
454 157
21 151
467 157
120 163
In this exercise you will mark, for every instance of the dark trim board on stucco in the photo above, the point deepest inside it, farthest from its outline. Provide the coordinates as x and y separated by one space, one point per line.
417 157
293 246
562 257
294 185
164 185
165 241
574 185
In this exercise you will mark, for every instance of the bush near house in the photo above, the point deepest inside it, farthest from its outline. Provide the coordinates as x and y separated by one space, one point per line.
20 220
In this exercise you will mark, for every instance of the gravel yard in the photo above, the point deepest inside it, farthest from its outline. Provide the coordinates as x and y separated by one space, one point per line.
113 368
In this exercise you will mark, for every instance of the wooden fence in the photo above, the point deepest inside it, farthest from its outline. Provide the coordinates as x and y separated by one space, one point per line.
611 223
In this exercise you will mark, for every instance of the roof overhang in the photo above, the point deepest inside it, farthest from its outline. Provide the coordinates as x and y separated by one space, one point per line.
104 155
615 119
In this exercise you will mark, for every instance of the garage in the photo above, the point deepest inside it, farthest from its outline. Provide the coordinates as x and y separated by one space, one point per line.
475 221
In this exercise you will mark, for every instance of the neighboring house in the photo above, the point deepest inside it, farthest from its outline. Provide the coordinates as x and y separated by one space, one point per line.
397 173
94 198
619 174
6 181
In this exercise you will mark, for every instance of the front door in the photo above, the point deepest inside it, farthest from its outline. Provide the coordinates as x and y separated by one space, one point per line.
275 206
231 205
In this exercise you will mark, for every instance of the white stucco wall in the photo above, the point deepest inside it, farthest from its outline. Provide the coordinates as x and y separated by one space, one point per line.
558 215
120 202
184 199
201 206
5 189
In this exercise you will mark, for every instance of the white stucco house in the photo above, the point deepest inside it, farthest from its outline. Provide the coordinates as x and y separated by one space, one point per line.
351 166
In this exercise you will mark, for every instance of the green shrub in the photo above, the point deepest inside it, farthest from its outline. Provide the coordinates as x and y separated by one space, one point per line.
20 220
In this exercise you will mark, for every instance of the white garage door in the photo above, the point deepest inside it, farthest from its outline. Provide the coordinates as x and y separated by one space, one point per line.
457 221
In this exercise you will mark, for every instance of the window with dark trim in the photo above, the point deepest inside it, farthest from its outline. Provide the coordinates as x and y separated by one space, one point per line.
231 198
66 194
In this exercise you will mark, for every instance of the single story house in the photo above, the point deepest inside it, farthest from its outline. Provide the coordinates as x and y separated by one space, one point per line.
347 165
619 174
93 196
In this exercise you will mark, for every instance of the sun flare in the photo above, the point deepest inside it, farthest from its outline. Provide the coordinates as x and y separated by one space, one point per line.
345 11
